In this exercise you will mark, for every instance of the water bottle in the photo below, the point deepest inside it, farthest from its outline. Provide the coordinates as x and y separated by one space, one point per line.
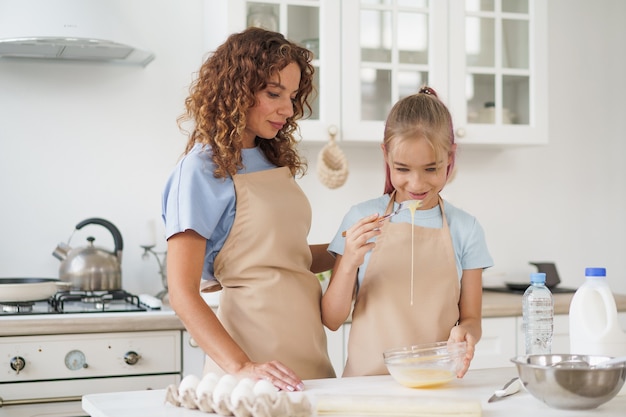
594 327
538 315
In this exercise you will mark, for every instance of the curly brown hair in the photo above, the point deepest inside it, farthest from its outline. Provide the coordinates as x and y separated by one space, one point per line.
225 89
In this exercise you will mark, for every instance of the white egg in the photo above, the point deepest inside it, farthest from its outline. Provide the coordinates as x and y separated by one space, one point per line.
244 389
189 383
263 386
224 387
207 385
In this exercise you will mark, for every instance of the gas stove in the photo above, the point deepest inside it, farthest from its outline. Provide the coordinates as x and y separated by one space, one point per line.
82 302
51 354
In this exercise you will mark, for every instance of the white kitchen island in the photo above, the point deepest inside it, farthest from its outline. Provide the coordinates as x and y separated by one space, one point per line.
477 386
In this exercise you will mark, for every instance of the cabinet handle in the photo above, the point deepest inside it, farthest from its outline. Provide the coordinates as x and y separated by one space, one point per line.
460 132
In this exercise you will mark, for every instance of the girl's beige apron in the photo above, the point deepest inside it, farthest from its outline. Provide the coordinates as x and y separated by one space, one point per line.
383 316
270 302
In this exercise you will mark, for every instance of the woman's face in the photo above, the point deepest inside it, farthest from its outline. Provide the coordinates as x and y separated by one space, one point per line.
414 171
274 105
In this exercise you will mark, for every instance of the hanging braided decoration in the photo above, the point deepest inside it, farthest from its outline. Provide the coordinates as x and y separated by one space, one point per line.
332 164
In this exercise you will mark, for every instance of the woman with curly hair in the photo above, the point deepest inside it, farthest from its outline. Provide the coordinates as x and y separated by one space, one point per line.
236 219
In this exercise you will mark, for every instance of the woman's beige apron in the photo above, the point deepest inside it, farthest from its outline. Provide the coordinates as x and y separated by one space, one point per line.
383 316
270 302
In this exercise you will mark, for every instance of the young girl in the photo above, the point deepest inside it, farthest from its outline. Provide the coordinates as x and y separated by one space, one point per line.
401 297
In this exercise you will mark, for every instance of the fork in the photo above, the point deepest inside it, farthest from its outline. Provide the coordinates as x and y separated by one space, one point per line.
405 205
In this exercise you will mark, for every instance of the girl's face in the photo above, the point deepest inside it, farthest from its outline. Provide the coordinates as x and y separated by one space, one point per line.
414 171
274 105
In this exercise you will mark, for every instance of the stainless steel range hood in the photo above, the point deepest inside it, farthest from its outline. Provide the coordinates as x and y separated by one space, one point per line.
88 30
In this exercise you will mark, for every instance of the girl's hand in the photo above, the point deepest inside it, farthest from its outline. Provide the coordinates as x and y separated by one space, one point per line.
337 300
460 334
275 372
357 237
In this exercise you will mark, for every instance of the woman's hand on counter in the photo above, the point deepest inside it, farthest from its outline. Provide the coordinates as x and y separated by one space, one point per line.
275 372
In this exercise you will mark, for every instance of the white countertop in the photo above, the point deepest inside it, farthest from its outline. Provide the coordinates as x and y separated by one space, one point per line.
494 305
477 385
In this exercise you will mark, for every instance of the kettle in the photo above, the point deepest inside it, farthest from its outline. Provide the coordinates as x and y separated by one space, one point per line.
91 268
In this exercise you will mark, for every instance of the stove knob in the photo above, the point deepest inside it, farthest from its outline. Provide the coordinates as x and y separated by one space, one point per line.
17 364
131 357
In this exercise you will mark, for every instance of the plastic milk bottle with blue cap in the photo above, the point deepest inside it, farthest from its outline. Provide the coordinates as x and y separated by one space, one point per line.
593 324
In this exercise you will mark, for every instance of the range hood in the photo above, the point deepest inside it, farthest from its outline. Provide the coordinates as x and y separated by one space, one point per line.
86 30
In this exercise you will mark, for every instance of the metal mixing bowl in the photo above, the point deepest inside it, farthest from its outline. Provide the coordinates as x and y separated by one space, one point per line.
427 365
574 384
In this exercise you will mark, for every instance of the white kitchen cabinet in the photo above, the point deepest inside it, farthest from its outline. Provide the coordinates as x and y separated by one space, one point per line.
346 337
560 336
560 339
486 59
497 344
502 339
498 71
315 24
336 350
495 349
193 356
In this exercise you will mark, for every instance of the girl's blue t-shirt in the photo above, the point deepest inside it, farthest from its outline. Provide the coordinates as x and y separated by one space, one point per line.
468 237
193 199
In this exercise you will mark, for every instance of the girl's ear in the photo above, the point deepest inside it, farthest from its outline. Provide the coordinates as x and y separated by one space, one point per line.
385 153
451 153
451 169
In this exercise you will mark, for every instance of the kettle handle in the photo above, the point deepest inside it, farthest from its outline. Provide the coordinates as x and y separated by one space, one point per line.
117 236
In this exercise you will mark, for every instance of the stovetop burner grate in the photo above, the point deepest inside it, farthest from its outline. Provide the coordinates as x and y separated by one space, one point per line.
77 302
17 307
94 301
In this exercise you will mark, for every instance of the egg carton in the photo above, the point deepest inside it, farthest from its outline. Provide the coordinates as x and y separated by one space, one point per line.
228 396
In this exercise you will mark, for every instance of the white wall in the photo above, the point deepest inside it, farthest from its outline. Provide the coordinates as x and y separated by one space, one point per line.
79 140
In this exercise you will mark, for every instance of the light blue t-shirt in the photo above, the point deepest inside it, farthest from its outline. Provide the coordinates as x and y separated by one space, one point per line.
194 199
468 237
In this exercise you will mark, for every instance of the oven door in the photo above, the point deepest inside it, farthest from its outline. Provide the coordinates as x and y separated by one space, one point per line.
59 398
61 409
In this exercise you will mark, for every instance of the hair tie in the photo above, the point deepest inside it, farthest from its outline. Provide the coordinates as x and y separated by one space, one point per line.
427 90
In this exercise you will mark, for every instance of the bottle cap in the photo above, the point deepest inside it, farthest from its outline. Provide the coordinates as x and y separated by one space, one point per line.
538 277
595 272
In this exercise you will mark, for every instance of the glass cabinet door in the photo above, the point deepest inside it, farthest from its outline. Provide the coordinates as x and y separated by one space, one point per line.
387 55
487 60
496 71
301 21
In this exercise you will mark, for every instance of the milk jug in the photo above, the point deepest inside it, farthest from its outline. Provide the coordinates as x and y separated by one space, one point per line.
593 325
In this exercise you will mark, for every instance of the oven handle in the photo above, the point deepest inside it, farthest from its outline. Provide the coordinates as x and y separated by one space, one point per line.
39 400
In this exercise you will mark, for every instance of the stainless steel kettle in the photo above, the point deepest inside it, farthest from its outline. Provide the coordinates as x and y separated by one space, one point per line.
91 268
